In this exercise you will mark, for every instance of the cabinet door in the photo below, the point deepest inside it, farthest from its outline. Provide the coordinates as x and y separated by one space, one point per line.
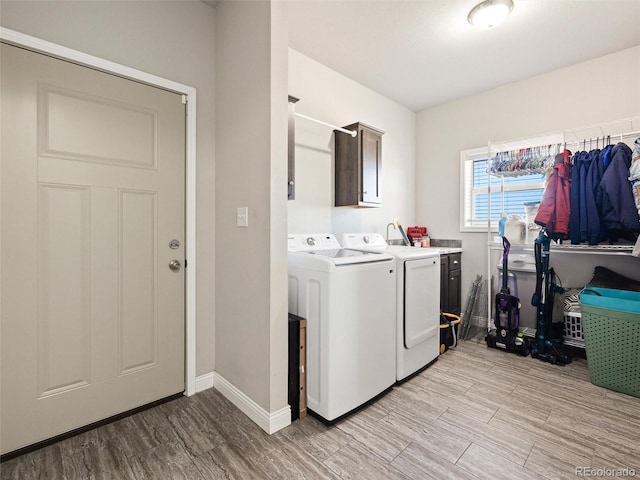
371 166
454 291
444 283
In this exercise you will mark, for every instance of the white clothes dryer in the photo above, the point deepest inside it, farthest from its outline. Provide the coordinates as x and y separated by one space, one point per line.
418 300
348 298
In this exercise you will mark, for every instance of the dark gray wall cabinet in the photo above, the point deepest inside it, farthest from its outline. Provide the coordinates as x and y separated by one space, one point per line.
358 167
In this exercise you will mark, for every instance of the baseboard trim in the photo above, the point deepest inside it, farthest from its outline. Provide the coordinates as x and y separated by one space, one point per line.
204 382
269 422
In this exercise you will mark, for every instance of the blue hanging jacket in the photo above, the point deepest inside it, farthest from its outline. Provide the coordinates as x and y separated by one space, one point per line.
596 231
587 160
618 207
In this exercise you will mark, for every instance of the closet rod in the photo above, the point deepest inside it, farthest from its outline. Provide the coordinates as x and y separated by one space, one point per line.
618 135
344 130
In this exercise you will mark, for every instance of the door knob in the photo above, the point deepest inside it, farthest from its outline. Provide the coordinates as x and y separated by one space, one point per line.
175 265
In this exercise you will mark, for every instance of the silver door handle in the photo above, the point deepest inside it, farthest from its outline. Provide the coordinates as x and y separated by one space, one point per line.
175 265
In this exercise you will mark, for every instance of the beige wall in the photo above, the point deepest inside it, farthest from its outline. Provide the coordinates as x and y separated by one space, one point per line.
599 91
251 162
331 97
171 39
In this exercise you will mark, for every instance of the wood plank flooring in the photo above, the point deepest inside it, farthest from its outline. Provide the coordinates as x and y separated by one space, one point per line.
477 413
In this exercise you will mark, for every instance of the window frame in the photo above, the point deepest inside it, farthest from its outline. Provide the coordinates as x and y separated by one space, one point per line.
468 192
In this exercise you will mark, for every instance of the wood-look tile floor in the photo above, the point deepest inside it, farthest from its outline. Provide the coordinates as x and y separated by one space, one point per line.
477 413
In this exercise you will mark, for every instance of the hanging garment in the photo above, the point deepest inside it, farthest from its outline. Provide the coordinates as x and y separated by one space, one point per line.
619 211
634 173
555 205
596 232
574 219
587 160
634 178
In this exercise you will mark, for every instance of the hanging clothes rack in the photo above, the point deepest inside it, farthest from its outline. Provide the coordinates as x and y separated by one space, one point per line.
340 129
603 139
536 159
497 167
524 161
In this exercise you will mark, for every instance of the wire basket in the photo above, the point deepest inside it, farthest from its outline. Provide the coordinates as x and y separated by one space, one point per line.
572 329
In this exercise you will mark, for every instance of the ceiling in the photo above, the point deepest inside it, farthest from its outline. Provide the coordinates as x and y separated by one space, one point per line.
423 53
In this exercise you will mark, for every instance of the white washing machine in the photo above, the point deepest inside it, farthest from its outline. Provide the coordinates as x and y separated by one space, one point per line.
348 298
418 300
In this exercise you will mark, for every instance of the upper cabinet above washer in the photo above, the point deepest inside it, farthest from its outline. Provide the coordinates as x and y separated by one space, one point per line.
358 165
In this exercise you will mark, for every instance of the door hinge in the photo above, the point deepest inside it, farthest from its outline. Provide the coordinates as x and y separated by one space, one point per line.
184 99
185 263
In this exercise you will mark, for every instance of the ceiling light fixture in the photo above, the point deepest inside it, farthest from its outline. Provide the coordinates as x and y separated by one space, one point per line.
490 13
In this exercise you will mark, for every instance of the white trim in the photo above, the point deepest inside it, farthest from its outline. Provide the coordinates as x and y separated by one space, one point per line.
190 246
204 382
269 422
80 58
465 156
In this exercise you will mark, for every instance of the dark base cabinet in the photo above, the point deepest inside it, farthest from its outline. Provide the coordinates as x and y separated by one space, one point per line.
297 366
450 283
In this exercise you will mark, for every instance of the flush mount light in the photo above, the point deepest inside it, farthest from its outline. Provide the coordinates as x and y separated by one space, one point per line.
490 13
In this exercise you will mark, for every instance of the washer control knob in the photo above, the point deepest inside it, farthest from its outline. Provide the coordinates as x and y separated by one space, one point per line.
311 241
366 239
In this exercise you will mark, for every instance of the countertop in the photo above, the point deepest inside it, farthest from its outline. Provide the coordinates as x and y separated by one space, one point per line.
444 247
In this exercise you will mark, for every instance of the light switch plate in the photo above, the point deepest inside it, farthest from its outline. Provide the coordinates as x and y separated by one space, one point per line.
242 219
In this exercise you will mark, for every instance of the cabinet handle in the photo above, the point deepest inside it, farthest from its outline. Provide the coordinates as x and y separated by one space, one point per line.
452 278
455 261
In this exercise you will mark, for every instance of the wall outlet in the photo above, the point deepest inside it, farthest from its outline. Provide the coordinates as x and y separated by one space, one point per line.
242 218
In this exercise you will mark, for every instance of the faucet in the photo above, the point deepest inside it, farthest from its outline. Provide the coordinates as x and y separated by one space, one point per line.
388 225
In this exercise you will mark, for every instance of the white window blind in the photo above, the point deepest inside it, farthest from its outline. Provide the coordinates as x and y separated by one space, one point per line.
516 190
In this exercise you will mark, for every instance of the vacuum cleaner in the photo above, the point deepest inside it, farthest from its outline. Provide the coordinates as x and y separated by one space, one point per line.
548 340
507 334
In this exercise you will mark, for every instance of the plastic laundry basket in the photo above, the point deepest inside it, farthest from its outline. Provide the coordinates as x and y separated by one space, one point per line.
611 324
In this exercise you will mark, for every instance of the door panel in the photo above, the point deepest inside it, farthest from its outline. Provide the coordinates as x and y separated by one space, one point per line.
421 300
92 192
64 348
119 133
138 298
454 289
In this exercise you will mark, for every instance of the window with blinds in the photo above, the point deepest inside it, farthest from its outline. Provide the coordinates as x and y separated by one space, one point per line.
508 194
517 192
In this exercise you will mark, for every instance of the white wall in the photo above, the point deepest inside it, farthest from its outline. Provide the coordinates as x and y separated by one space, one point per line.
331 97
251 166
599 91
170 39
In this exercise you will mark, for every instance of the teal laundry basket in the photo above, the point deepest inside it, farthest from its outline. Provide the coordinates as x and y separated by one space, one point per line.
611 325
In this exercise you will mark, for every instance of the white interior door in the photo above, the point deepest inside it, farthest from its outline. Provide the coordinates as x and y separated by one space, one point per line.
92 193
